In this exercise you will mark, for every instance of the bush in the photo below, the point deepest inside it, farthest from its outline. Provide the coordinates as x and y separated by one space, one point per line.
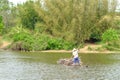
110 35
36 42
1 24
40 42
57 43
15 30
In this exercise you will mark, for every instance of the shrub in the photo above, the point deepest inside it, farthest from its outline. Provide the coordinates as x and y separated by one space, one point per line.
110 35
55 44
1 24
28 42
58 43
24 40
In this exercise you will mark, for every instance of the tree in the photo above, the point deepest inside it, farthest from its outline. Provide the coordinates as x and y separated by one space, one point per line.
4 11
28 15
1 25
73 20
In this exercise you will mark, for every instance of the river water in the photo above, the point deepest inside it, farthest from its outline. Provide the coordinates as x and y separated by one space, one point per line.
43 66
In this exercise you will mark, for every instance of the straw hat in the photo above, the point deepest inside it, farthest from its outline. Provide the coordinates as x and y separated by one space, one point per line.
74 49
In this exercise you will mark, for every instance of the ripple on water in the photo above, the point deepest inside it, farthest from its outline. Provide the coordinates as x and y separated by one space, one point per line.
15 67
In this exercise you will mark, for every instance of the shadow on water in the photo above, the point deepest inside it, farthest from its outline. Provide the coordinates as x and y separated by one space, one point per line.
43 66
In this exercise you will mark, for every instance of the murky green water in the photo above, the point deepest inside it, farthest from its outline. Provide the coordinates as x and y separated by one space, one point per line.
42 66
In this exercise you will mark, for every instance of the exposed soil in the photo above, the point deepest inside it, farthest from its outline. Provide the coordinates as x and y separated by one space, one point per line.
4 43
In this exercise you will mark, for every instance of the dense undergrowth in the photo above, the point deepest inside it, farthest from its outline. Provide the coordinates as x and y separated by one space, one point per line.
25 40
111 39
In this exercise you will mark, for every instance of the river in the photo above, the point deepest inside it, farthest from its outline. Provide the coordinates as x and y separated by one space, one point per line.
43 66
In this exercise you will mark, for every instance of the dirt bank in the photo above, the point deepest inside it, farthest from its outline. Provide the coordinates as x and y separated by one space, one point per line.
4 43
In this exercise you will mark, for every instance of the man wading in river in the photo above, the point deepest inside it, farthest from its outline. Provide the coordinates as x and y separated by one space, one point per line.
75 57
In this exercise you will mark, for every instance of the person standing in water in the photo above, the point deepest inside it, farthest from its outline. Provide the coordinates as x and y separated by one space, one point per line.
76 60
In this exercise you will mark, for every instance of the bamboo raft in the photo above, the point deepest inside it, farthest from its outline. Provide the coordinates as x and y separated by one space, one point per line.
68 62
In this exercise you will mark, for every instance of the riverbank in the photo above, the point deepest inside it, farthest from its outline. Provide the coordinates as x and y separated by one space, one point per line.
85 49
4 43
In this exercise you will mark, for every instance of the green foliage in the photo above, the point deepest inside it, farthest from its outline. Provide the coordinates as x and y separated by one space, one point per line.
117 23
24 40
15 30
22 37
39 27
104 23
68 22
5 11
113 46
1 24
57 43
95 36
4 5
73 20
110 35
28 15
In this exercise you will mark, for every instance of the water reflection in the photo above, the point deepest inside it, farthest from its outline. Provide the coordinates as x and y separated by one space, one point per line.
42 66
